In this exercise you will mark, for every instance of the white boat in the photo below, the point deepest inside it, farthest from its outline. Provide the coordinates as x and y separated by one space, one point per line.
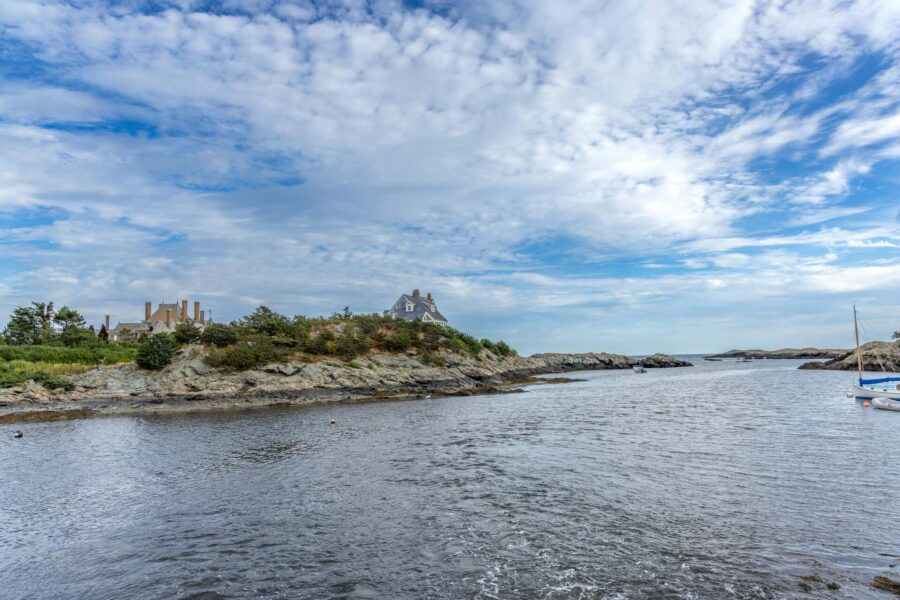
886 404
885 388
639 369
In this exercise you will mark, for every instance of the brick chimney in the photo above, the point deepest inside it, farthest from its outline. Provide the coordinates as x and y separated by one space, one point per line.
148 309
429 296
196 311
106 322
203 316
184 304
416 293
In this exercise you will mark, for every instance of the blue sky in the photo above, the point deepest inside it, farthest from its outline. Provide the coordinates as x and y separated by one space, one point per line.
629 177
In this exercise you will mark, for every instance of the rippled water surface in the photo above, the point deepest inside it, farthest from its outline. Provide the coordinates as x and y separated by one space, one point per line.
723 480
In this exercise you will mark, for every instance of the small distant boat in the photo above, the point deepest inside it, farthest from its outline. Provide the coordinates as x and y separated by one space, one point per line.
638 369
885 388
746 360
885 404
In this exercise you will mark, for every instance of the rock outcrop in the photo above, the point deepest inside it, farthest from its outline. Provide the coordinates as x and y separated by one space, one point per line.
190 384
784 353
876 357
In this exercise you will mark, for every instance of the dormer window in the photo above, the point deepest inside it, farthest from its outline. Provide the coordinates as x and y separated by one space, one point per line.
409 307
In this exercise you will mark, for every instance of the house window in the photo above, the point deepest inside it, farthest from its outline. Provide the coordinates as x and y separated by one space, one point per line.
409 307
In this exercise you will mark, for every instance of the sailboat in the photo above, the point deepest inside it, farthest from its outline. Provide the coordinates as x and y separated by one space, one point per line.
886 389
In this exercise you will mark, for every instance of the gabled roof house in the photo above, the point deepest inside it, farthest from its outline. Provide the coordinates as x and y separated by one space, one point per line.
413 306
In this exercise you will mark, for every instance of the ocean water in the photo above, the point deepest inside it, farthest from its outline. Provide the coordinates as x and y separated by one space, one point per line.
725 480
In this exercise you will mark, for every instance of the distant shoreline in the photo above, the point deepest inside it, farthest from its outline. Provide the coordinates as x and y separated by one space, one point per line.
190 385
784 353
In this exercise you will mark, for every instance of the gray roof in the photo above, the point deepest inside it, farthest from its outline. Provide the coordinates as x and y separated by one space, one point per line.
421 306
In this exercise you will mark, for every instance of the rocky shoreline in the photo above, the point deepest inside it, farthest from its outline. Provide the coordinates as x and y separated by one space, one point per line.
189 384
784 353
877 357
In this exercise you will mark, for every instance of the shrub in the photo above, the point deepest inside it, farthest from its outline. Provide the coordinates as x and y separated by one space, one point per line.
246 354
504 349
186 333
432 360
400 341
156 352
320 343
349 345
218 335
99 354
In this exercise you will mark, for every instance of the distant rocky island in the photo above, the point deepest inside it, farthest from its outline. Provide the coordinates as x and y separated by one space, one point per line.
190 383
876 357
785 353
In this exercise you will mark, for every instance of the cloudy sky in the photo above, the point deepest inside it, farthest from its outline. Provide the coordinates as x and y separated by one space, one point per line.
582 175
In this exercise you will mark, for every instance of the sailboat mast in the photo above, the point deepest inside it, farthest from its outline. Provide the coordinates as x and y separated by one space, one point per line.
858 352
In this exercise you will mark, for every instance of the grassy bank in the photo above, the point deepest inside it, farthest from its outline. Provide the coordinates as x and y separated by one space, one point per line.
49 365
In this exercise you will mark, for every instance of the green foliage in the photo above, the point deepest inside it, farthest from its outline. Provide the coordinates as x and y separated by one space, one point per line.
186 333
431 360
20 373
31 325
156 352
219 335
896 335
246 354
265 321
504 349
96 355
349 345
67 318
400 340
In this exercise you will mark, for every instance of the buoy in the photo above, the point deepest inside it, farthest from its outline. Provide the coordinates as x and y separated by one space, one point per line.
332 422
18 434
865 405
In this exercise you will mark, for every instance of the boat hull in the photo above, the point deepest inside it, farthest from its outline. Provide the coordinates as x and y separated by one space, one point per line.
871 394
885 404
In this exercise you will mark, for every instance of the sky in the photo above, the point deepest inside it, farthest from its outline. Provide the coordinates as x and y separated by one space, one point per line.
676 176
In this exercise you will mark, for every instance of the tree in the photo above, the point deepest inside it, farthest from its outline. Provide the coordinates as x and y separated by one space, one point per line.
31 325
74 332
67 317
265 321
216 334
156 352
896 335
103 335
186 333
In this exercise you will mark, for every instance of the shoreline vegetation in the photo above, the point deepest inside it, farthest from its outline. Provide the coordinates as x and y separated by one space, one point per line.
877 357
263 359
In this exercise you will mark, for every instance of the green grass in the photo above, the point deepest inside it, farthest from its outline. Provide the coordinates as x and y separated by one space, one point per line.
50 365
94 355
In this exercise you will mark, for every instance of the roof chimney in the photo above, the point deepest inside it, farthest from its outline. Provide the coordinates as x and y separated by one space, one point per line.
106 322
148 308
416 293
168 316
203 316
429 296
196 311
184 310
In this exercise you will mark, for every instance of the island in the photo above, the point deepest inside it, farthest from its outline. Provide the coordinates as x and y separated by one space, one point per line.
263 359
784 353
876 357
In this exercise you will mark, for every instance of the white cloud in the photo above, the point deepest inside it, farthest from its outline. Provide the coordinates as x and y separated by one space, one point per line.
435 149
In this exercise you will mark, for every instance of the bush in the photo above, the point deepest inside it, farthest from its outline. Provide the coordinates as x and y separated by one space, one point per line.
99 354
246 354
219 335
156 352
400 341
504 349
186 333
349 345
